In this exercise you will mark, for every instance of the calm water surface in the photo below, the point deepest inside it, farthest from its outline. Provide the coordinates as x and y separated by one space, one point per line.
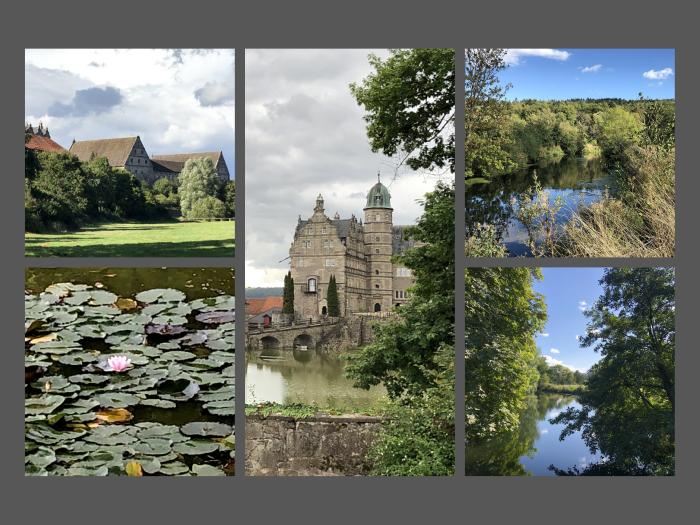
297 376
576 181
534 446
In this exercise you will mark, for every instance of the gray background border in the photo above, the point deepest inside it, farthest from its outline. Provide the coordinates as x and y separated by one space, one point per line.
437 23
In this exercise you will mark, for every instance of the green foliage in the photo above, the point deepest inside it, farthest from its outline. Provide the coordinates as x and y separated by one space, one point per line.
617 128
502 316
417 438
628 407
229 197
288 295
404 348
60 189
409 101
538 215
332 298
197 180
164 186
485 122
207 208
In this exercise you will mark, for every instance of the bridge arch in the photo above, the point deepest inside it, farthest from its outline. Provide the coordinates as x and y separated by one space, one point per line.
268 342
304 340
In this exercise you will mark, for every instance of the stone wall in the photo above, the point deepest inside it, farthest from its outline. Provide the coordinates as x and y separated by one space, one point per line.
319 446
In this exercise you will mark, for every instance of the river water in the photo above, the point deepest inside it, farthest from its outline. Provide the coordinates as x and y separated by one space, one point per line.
287 376
534 446
576 181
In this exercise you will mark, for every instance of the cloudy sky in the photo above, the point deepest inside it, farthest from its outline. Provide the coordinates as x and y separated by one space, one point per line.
305 135
568 293
175 100
549 74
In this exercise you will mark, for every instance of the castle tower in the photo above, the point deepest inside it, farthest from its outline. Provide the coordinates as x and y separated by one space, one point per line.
378 241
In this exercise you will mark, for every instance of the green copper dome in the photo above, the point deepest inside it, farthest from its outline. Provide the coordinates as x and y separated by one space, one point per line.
378 196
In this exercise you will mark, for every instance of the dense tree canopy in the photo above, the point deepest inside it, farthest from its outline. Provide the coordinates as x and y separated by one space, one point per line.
197 180
627 410
502 316
409 101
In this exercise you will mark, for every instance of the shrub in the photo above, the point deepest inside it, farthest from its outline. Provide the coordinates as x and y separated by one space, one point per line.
207 208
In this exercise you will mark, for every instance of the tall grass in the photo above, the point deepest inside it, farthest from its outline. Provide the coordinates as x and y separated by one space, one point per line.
639 221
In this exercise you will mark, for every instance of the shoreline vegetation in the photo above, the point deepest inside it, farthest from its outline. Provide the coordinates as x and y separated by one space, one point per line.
634 139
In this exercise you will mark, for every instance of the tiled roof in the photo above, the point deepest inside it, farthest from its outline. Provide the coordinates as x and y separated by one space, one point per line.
177 161
41 143
258 305
116 151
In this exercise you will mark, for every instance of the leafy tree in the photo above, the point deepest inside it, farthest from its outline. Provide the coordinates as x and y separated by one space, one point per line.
197 180
61 189
229 197
618 128
502 316
659 119
486 137
332 298
288 294
627 410
409 100
164 186
207 208
403 351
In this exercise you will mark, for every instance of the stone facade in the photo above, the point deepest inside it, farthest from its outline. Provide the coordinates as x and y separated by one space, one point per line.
318 446
359 254
130 154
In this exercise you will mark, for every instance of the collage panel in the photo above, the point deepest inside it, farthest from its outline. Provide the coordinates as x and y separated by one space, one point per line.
570 371
350 262
570 152
129 372
129 153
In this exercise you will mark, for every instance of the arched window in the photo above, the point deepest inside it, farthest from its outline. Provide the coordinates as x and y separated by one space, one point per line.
311 283
324 311
376 272
377 307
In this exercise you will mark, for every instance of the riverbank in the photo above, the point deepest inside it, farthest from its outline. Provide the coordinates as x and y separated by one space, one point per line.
569 390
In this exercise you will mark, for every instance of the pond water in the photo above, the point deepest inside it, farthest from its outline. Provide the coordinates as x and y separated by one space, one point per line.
534 446
576 181
287 376
129 371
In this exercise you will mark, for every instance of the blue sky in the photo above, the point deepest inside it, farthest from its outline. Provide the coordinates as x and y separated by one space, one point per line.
548 74
567 292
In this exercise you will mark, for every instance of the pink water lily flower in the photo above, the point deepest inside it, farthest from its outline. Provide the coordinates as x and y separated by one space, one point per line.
118 363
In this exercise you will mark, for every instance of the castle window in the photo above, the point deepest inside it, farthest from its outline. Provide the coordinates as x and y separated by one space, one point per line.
397 294
323 230
311 283
377 238
376 286
376 250
330 262
376 272
376 217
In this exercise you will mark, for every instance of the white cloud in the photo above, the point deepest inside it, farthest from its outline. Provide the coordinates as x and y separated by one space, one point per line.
554 350
661 74
104 93
305 135
513 56
591 69
582 305
544 334
578 337
551 361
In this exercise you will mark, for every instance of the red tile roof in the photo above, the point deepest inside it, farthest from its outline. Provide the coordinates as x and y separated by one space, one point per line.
40 143
258 305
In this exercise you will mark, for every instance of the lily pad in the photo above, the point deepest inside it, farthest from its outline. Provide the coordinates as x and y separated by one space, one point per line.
206 470
117 400
43 404
206 428
195 447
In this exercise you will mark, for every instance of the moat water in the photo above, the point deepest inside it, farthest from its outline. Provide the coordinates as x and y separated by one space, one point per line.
289 375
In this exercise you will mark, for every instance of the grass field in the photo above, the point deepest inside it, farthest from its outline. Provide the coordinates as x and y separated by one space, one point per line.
163 239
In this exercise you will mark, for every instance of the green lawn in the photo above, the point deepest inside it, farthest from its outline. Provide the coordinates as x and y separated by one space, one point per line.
162 239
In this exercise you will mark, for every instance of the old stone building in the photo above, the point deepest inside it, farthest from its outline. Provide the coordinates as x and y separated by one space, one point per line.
358 253
129 153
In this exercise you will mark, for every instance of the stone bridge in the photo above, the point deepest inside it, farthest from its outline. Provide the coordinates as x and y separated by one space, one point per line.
309 335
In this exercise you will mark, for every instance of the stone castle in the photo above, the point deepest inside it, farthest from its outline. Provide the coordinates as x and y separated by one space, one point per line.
359 255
